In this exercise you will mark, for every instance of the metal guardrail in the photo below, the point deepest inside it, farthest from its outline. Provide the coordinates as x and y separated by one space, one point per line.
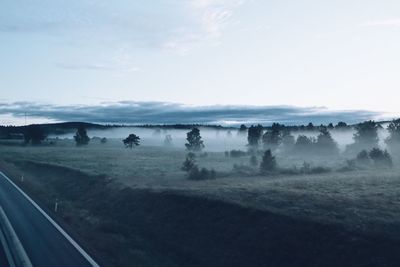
15 252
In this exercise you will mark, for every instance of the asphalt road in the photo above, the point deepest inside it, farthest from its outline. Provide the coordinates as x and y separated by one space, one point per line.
3 259
44 244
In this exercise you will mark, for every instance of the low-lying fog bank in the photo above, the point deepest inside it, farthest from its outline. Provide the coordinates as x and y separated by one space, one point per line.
215 140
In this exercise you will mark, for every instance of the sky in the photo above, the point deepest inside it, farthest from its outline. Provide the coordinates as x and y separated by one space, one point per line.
340 56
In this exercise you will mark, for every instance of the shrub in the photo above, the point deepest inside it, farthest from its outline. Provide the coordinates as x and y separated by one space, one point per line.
308 169
203 174
189 162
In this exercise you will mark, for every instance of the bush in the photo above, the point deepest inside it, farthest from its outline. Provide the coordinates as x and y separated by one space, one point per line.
308 169
193 171
203 174
189 163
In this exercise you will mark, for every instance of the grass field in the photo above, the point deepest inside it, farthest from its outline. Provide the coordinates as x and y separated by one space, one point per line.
359 205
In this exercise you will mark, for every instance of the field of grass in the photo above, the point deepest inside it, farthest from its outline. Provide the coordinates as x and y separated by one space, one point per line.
362 206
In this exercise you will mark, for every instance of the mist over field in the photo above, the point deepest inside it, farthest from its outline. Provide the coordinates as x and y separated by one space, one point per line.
216 140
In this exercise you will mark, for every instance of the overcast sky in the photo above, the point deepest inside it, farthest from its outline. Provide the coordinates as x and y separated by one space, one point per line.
342 54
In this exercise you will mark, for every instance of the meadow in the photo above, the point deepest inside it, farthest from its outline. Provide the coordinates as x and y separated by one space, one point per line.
363 205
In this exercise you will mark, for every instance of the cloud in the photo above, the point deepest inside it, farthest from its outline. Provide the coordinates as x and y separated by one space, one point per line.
209 18
382 23
131 112
177 25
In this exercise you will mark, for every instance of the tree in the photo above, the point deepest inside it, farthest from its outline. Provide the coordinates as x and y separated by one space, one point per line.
381 158
242 129
81 137
310 126
304 144
366 134
272 137
288 141
268 163
34 134
131 141
393 140
194 142
325 144
341 125
254 134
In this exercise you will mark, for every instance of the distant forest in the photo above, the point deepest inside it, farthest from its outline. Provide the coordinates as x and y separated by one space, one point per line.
17 132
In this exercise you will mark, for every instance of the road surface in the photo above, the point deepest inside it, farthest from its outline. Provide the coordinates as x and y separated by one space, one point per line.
3 259
44 244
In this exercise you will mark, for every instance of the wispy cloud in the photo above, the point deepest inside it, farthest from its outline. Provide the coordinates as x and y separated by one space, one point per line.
177 25
209 19
382 23
129 112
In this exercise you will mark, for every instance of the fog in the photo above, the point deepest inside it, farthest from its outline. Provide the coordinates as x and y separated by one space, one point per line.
215 140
